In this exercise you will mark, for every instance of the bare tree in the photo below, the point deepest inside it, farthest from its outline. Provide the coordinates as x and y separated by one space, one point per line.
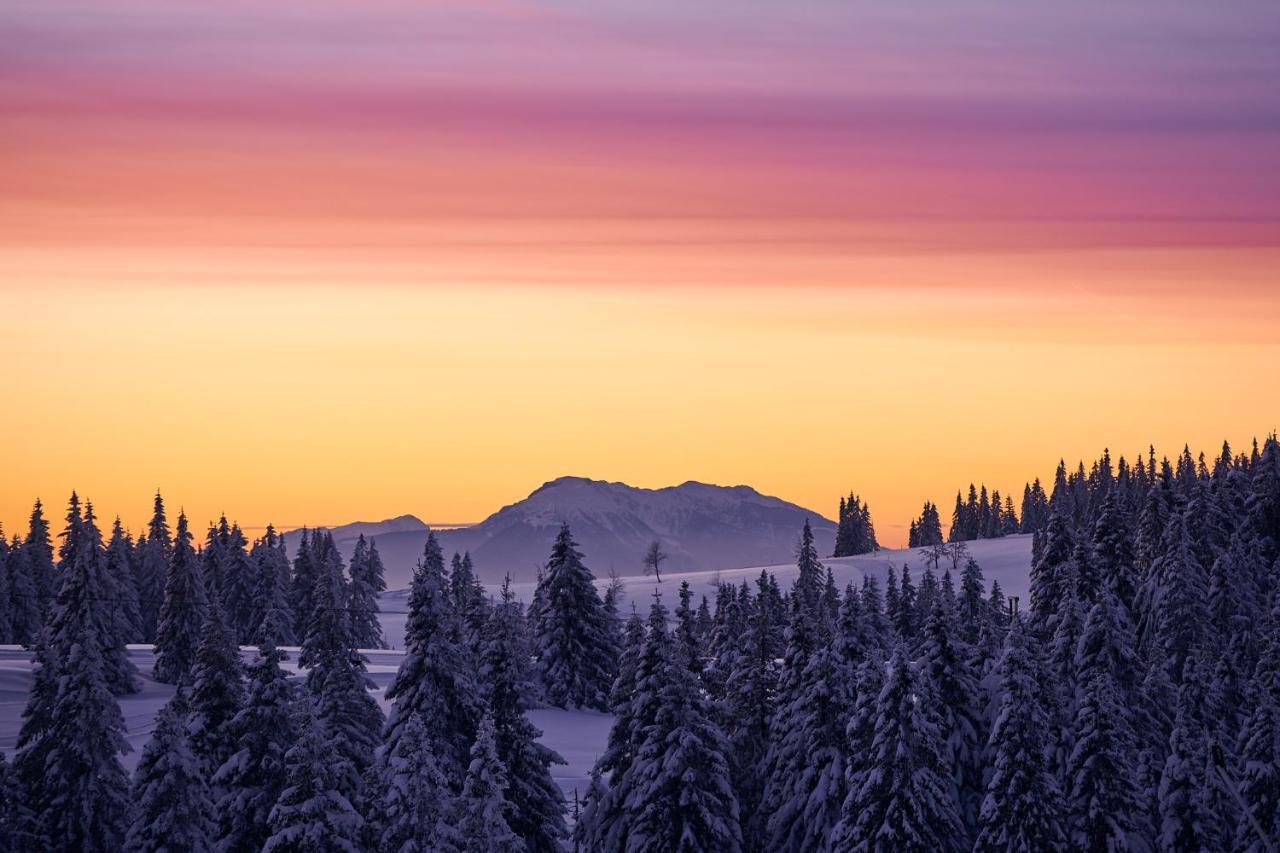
653 560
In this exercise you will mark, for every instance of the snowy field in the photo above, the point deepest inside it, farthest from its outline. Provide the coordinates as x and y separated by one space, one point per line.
579 736
1007 560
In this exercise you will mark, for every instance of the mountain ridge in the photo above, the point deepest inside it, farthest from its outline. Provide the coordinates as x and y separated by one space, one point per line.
700 525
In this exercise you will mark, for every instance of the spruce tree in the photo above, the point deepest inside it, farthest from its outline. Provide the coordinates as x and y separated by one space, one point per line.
1189 817
337 681
181 613
262 732
436 679
681 798
302 582
80 797
415 808
312 815
217 692
172 806
84 579
240 587
572 639
481 818
26 616
271 600
536 804
1022 809
953 686
366 582
902 799
152 567
37 549
122 586
745 715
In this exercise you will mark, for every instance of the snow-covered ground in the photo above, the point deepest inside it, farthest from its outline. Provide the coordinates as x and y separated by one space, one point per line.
1007 560
579 736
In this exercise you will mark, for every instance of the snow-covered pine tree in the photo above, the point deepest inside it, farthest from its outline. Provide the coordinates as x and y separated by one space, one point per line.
366 582
1111 554
181 613
271 600
80 796
302 582
680 794
1022 809
337 681
572 639
804 787
1056 547
468 598
312 815
1107 811
1191 817
33 741
953 686
744 714
536 812
172 805
1260 774
903 799
84 579
263 731
1179 605
481 809
217 693
414 809
26 617
436 679
37 549
121 579
152 566
239 587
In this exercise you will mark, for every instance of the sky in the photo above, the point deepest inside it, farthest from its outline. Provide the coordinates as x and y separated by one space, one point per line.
308 262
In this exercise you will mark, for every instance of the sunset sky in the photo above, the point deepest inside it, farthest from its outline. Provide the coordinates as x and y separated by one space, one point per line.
314 261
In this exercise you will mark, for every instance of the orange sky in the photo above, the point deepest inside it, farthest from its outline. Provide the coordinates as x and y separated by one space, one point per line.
331 261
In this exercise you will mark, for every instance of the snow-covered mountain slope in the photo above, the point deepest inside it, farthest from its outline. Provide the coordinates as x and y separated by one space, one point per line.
1006 560
700 527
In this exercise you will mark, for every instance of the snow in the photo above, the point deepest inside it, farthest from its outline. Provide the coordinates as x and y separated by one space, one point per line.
1007 560
579 736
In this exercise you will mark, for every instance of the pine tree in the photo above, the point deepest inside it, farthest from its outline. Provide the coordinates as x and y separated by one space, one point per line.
217 692
85 579
436 679
122 586
902 801
271 600
1022 809
312 815
536 804
746 712
415 806
1260 776
1188 817
262 732
26 617
572 638
366 582
336 678
152 567
481 819
172 807
468 598
37 549
80 796
302 583
1179 605
240 587
681 798
949 680
804 788
1106 808
181 614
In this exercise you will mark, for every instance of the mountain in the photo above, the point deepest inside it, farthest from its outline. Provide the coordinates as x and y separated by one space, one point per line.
700 526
